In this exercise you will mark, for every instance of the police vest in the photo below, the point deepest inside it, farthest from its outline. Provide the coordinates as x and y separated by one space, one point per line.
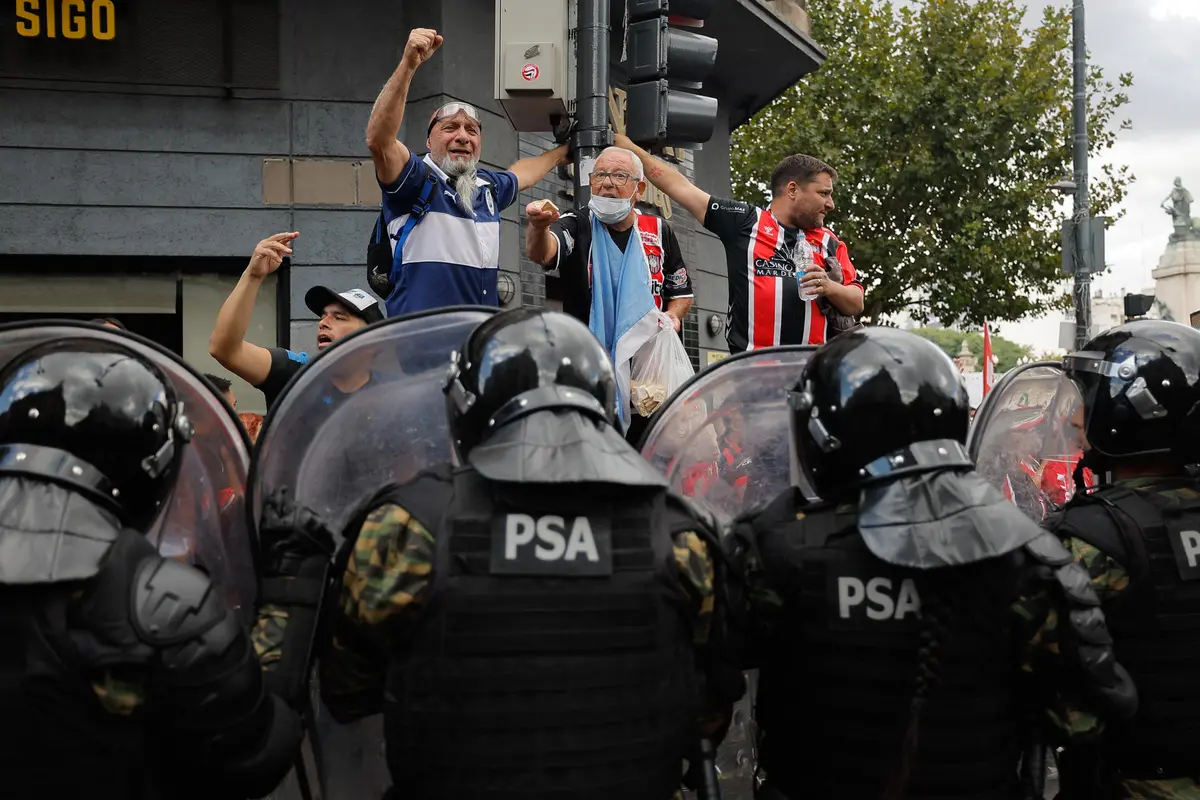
61 741
649 229
838 673
1155 622
553 657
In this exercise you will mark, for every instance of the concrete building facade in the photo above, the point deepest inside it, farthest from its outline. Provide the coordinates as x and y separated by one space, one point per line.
145 148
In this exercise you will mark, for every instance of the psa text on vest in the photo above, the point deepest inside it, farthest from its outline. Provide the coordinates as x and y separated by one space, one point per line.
523 544
877 598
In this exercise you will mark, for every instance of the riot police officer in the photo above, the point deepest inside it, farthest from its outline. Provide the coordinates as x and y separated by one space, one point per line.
884 620
1136 537
529 622
122 673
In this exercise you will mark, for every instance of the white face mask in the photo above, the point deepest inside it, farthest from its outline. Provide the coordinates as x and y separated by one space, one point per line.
610 210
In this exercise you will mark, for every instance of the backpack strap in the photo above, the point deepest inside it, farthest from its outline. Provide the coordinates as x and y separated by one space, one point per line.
381 271
419 208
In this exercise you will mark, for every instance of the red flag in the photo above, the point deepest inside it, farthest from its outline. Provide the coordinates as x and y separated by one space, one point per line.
989 368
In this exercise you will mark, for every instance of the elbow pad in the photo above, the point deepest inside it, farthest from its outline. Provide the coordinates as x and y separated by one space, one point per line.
1085 628
208 678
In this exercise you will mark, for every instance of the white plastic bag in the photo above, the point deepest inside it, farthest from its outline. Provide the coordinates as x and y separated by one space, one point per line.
659 368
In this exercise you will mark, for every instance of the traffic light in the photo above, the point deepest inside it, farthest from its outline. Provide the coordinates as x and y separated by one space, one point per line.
663 61
1138 305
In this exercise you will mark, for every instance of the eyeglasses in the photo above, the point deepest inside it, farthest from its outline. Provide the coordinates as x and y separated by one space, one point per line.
449 110
618 179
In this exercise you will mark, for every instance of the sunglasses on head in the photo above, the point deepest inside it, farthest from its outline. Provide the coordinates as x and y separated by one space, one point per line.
449 110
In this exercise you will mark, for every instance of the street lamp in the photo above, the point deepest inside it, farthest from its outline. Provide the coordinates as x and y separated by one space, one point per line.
1064 186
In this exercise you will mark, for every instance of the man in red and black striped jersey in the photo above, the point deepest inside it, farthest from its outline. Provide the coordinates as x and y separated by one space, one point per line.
565 242
775 253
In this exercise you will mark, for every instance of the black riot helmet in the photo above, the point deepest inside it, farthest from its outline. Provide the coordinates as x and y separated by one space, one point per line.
1139 383
96 416
522 361
876 403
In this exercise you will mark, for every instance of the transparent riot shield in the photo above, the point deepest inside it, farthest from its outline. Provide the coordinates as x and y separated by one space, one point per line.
1023 441
723 440
368 412
203 521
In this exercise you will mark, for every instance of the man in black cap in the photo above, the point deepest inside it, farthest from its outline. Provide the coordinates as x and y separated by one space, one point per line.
269 369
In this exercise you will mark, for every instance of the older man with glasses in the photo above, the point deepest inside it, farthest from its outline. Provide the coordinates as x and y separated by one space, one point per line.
453 256
612 280
565 242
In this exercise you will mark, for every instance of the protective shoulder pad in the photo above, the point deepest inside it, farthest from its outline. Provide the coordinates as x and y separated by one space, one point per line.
1090 520
426 496
684 515
173 602
782 508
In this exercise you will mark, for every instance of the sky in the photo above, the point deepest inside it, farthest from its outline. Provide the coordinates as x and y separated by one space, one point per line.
1159 42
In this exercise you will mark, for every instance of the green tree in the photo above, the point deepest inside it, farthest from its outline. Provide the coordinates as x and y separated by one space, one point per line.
951 342
947 124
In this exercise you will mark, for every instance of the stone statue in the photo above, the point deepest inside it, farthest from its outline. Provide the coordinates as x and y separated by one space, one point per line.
1180 210
965 360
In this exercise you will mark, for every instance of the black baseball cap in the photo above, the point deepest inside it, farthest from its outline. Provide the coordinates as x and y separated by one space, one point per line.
360 303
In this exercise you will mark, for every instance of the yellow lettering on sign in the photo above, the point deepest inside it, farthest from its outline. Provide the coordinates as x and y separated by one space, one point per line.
104 20
29 24
76 19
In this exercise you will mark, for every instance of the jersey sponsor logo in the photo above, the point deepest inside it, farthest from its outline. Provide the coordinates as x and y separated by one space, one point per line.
551 545
729 205
1186 545
787 261
678 278
871 601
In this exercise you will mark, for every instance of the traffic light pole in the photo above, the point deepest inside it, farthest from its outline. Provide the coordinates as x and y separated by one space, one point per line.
591 91
1082 292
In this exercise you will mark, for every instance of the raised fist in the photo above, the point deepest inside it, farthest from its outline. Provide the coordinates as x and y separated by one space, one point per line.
422 44
541 213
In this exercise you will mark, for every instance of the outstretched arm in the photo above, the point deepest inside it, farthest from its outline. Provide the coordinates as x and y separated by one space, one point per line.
669 180
530 171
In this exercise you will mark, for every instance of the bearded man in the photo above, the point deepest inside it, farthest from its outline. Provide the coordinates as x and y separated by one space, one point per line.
453 256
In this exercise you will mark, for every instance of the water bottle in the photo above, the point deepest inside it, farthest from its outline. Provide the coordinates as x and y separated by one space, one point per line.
802 259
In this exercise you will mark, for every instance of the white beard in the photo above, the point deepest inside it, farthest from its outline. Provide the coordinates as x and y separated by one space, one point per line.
464 173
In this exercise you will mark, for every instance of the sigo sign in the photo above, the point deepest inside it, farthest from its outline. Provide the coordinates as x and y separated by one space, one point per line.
68 19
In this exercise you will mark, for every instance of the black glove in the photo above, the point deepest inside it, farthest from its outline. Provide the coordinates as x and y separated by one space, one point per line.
290 535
